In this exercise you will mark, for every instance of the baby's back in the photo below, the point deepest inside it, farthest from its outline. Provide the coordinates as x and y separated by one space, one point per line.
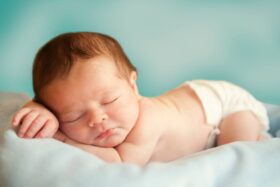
182 120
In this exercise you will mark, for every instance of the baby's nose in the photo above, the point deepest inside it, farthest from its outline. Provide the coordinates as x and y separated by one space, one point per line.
98 118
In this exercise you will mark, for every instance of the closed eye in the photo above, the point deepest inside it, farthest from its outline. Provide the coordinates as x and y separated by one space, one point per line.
72 120
111 101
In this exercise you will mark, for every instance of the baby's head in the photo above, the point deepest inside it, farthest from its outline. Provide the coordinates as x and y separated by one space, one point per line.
88 82
56 58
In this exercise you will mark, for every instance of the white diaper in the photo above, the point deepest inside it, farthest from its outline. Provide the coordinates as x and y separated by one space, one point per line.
221 98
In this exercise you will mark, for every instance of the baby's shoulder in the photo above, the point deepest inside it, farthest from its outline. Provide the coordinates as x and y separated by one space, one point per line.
146 127
147 110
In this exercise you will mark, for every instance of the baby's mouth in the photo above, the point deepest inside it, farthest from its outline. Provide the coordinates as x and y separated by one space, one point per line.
105 134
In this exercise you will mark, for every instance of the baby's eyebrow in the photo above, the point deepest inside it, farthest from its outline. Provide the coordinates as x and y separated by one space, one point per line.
104 92
107 92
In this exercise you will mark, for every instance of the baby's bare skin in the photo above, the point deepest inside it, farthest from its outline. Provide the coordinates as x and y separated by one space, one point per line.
105 115
181 133
169 118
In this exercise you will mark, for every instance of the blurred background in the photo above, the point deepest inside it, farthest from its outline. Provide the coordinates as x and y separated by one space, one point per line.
168 41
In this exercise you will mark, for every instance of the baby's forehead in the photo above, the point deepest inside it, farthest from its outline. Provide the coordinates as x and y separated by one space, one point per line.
68 92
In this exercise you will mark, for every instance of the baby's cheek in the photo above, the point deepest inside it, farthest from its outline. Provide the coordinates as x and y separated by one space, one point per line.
126 113
114 109
69 131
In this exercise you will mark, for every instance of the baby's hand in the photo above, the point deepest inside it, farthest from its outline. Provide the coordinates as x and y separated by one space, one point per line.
35 121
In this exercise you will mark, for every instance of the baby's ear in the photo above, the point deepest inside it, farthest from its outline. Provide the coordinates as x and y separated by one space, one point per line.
132 81
133 77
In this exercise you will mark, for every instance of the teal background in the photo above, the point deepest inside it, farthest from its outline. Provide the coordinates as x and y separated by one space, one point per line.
168 41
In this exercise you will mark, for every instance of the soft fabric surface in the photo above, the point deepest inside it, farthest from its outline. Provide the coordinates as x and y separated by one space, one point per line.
47 162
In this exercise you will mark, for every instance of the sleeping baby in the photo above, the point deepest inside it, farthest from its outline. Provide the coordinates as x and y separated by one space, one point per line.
86 96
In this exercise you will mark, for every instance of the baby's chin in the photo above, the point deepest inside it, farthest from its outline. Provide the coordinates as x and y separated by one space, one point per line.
110 142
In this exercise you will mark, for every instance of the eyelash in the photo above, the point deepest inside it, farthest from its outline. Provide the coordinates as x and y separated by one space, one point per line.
71 121
106 103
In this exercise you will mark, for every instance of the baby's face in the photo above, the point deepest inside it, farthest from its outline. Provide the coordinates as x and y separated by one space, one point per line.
93 104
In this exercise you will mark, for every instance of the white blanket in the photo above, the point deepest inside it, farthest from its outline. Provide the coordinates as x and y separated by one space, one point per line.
47 162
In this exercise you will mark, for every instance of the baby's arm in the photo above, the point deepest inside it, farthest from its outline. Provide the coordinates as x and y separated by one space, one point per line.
35 121
129 152
141 142
239 126
137 148
126 152
107 154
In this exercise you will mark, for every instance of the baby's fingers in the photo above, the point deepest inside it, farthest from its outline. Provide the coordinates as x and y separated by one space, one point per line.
35 126
19 115
48 130
28 119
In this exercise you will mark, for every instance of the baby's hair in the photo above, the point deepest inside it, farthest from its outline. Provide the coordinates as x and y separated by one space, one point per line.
56 57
